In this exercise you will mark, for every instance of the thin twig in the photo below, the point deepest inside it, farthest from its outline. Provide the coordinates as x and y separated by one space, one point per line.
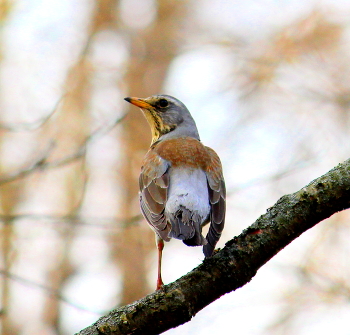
32 166
115 223
53 292
41 162
34 125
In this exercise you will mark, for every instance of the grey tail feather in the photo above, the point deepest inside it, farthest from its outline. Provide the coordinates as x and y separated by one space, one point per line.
186 226
208 250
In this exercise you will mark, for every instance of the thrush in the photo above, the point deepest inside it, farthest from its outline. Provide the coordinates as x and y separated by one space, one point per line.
181 183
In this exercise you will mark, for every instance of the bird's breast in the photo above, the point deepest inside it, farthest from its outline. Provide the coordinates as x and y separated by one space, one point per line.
184 152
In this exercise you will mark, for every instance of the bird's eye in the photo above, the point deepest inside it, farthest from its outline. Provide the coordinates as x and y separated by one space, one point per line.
163 103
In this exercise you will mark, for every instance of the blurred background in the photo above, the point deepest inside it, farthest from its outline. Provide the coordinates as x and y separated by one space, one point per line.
268 83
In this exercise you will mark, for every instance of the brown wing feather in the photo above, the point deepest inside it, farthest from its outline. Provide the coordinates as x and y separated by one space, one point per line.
217 199
154 183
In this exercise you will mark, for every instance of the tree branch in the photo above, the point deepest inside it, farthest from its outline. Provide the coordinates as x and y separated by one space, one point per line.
234 265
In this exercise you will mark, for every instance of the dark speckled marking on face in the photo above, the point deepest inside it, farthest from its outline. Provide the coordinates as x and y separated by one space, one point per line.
160 121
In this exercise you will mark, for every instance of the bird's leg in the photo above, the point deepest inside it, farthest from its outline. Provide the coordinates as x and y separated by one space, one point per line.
160 246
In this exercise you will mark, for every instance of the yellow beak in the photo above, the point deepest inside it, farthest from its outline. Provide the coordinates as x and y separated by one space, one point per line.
138 102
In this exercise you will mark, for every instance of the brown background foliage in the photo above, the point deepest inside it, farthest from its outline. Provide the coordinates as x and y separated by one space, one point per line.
269 88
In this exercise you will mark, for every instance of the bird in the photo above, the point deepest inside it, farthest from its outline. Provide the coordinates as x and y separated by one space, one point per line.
181 183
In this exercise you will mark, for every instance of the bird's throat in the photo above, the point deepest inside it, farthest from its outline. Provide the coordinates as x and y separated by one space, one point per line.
158 128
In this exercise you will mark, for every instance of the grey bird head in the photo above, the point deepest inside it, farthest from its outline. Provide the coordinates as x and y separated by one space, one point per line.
167 116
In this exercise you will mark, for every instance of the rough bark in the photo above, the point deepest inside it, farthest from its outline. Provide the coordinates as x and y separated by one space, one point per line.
234 265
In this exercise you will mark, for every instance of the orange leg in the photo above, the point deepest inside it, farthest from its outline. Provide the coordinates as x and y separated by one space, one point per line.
160 246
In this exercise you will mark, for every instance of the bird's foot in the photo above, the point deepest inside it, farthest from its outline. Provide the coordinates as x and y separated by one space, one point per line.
160 284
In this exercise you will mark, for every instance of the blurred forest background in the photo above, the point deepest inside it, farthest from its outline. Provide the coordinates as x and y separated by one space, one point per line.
268 83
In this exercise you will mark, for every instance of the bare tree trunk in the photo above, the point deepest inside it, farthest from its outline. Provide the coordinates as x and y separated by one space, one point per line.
151 53
63 269
69 130
10 197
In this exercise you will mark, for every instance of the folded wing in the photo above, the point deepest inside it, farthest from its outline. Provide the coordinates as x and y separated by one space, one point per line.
154 184
217 199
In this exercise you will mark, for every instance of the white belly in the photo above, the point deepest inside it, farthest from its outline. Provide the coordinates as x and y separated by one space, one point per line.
188 188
